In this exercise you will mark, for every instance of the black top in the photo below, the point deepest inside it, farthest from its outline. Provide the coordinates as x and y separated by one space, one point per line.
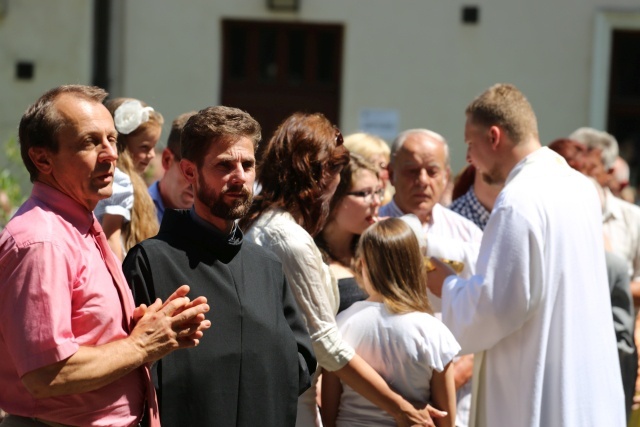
256 358
350 292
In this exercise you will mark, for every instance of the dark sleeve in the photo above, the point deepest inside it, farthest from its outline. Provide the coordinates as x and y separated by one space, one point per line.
624 324
137 270
306 359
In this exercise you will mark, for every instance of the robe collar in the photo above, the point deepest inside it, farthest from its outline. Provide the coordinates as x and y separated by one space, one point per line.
200 236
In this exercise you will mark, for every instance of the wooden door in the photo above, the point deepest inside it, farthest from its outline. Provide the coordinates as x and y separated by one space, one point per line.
273 69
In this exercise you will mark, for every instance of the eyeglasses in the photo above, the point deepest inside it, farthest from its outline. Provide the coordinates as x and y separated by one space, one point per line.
367 195
339 138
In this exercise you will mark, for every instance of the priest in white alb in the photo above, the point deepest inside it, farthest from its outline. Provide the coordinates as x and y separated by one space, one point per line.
537 314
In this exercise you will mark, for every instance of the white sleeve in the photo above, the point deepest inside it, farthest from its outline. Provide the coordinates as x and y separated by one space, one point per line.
455 250
482 310
313 287
121 200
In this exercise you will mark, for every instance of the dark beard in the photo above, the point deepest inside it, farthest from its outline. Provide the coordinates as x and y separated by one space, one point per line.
219 208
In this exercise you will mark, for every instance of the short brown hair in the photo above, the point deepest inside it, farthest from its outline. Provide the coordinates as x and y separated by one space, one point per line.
41 122
173 142
505 106
396 268
216 124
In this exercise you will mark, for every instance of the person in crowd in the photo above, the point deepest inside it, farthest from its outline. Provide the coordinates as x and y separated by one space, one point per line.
620 179
376 152
258 357
537 313
621 220
74 349
354 207
394 331
473 198
624 324
574 152
590 162
299 171
128 215
172 190
419 171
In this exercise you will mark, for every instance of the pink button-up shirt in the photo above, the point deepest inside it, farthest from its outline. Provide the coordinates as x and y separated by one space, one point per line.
56 294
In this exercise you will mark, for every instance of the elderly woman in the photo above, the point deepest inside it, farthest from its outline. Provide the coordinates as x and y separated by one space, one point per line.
299 171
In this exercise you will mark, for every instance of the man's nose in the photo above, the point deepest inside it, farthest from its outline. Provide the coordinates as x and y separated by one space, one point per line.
109 151
423 177
238 174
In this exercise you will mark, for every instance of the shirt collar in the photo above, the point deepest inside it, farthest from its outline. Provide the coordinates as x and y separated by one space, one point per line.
392 209
231 237
60 203
611 208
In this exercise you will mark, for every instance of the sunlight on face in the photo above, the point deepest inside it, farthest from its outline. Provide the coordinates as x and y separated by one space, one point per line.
141 147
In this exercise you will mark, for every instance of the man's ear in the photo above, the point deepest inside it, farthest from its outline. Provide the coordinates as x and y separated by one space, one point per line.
41 158
391 174
495 135
189 170
167 159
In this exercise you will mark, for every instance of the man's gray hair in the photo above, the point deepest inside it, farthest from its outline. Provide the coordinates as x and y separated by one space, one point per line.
604 141
397 143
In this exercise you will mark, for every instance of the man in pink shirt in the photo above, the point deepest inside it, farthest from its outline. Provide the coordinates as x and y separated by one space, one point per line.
74 349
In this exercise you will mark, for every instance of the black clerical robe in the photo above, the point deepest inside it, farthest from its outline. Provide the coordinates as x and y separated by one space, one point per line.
256 358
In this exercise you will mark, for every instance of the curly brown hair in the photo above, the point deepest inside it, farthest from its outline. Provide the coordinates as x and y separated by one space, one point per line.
295 168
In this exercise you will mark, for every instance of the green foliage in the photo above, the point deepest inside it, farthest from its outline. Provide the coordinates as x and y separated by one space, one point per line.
10 191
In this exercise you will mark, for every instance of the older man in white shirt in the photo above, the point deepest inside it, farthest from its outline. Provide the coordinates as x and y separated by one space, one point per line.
419 171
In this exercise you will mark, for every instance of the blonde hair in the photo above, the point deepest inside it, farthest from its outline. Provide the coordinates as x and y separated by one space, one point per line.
367 145
505 106
395 266
144 222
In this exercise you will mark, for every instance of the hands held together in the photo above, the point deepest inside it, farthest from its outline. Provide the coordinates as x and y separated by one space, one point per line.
164 327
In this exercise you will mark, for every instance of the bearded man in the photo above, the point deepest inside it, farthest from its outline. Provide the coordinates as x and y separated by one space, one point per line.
258 357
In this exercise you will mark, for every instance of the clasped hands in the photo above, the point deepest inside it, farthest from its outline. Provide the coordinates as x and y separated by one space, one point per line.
164 327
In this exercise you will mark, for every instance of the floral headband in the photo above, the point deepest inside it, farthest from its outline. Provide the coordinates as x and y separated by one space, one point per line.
130 115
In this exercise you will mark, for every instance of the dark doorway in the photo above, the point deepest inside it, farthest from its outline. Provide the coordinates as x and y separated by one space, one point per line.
272 69
624 97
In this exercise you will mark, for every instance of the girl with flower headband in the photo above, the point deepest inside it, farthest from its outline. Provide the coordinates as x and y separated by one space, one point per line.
128 216
394 331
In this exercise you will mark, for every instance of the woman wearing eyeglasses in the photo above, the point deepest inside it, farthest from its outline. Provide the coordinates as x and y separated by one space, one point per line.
298 170
354 207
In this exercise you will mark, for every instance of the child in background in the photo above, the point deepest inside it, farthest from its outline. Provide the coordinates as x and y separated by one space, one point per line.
394 331
128 216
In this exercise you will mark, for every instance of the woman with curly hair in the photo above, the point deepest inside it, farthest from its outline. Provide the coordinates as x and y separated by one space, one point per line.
298 171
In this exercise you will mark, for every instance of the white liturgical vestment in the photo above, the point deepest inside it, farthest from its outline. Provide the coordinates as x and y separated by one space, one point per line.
538 310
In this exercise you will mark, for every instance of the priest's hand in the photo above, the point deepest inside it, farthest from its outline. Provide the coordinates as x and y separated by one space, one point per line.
437 275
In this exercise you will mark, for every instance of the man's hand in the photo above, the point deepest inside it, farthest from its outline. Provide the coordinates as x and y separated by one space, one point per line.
165 327
182 291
